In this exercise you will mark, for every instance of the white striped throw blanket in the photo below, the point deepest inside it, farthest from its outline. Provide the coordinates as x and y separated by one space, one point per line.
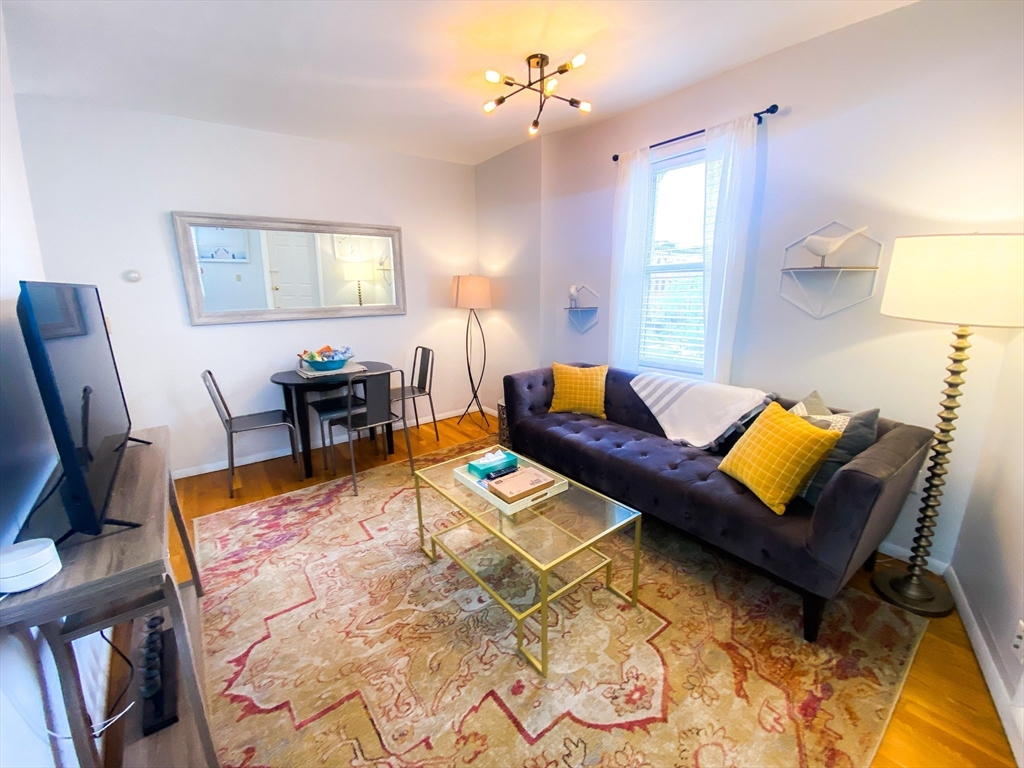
697 413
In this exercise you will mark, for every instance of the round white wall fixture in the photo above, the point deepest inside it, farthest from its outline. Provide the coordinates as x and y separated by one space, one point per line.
28 564
132 275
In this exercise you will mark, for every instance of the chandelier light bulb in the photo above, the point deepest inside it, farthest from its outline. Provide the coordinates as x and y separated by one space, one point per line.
492 77
490 106
579 60
585 107
550 85
534 127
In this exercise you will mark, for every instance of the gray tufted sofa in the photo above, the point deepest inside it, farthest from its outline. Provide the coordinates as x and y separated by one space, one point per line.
813 550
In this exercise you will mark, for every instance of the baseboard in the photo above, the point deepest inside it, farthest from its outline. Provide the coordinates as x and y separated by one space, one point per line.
241 461
1009 715
937 567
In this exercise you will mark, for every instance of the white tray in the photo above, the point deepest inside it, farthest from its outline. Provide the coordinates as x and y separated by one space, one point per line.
471 482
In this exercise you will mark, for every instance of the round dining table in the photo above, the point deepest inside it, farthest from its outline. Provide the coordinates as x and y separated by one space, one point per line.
296 387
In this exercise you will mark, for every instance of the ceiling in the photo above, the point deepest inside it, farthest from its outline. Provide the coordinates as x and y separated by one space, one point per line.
402 75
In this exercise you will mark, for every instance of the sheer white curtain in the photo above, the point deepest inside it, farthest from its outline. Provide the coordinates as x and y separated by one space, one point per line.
729 198
631 225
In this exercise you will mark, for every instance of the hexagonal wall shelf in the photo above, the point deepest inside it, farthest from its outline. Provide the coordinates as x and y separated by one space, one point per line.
821 289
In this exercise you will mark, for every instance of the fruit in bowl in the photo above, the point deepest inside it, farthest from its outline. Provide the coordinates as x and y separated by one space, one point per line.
327 358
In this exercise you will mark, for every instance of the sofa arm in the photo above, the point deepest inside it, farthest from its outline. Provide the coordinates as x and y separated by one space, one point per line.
528 393
861 502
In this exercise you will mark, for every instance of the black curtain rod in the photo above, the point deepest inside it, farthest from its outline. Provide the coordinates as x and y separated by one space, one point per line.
759 115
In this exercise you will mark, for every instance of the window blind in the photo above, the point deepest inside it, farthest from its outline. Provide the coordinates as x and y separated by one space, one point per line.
672 323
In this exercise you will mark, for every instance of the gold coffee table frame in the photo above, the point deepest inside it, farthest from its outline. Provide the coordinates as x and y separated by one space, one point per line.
543 569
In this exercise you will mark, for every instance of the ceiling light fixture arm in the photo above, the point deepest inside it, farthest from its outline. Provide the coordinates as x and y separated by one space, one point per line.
542 85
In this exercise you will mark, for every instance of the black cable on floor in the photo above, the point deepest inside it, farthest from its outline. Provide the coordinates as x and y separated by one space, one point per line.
131 674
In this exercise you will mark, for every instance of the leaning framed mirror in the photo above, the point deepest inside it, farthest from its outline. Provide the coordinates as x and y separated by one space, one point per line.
248 269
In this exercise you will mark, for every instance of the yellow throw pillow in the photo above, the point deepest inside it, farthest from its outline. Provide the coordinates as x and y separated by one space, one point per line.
777 455
579 390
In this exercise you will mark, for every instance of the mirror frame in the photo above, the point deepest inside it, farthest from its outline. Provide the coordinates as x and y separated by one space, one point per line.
185 220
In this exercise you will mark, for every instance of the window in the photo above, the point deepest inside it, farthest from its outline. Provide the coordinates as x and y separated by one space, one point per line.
672 315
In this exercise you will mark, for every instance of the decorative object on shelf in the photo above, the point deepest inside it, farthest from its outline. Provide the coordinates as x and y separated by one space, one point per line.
542 84
327 358
473 292
959 280
823 246
819 289
358 271
582 319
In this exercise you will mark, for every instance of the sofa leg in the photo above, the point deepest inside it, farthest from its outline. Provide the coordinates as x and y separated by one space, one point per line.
869 564
814 607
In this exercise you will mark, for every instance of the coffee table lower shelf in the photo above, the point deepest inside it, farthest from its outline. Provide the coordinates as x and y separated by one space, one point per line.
546 575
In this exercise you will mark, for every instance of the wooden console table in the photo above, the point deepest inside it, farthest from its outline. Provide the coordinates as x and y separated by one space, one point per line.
114 577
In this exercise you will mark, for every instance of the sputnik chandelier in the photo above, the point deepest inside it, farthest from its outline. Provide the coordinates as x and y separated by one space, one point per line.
543 84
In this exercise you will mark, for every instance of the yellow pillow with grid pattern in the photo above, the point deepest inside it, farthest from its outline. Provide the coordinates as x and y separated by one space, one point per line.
579 390
777 455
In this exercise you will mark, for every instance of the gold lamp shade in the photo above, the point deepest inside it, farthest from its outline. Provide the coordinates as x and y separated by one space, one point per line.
957 280
471 292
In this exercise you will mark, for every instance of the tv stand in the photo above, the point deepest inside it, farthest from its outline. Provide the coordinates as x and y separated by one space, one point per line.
110 579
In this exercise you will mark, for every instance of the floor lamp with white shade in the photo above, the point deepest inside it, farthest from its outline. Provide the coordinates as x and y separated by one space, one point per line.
964 281
473 292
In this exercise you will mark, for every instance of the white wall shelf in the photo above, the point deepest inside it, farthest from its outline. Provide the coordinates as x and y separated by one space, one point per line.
821 290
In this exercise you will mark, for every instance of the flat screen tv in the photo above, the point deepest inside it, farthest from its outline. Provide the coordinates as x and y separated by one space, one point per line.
73 362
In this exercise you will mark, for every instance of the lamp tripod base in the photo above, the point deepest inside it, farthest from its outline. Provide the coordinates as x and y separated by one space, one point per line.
475 381
913 593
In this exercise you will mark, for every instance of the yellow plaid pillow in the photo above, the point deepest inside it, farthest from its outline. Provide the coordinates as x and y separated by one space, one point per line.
579 390
778 455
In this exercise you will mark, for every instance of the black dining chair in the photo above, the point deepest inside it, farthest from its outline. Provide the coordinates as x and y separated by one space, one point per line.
233 425
374 411
421 380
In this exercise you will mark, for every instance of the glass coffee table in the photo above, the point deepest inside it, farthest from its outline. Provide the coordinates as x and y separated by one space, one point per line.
528 559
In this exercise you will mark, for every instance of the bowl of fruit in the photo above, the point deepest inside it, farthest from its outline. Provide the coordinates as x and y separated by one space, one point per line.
327 358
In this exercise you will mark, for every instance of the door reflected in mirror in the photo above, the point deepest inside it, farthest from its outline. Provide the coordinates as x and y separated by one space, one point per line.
294 270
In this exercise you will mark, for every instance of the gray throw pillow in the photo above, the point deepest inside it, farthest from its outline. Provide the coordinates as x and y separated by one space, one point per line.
860 430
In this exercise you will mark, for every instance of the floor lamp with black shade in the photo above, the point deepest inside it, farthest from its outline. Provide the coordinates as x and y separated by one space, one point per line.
473 292
958 280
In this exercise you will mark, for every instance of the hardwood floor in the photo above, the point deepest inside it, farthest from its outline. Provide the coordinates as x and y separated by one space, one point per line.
944 717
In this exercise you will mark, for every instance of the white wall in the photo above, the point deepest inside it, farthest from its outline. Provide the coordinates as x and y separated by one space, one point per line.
910 123
28 678
27 453
988 566
104 183
508 216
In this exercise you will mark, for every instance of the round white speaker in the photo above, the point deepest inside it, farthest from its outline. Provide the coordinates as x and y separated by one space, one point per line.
28 564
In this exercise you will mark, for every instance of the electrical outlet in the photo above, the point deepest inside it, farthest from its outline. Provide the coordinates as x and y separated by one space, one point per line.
1018 642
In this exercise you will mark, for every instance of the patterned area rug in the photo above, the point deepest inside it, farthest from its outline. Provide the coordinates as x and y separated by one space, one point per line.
331 640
